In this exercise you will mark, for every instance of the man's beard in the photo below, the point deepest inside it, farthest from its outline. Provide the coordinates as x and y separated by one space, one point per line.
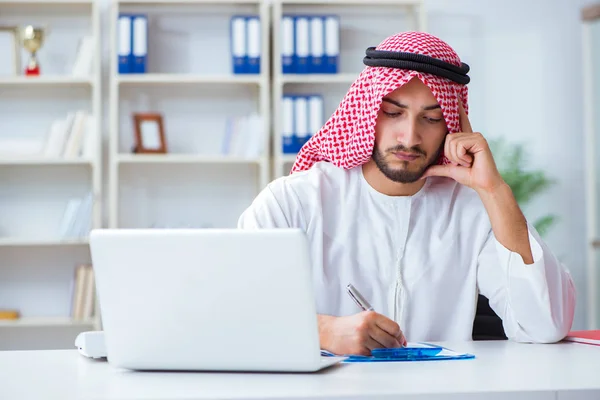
403 175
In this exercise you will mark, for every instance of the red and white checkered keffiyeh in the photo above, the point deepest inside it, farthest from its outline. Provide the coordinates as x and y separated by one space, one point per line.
348 136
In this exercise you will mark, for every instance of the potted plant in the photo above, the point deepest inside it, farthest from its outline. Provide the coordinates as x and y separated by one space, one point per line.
525 183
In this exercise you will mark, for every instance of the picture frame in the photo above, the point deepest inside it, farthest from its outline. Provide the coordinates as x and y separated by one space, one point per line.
10 51
149 134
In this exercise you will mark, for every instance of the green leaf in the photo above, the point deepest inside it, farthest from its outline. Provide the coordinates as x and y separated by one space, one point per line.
525 184
542 225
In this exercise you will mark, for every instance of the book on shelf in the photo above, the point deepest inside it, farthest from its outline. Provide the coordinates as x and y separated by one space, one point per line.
303 116
83 65
310 44
77 217
244 136
83 293
9 314
72 136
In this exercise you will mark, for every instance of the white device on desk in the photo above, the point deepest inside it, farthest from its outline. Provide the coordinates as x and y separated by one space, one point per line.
91 344
207 299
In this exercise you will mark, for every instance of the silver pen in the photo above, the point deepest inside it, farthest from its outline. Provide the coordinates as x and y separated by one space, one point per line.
358 298
363 303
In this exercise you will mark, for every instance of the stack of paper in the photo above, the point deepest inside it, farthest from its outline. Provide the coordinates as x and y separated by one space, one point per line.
84 61
244 136
77 217
71 137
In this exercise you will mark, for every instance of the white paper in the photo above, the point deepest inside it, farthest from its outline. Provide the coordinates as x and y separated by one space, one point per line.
150 135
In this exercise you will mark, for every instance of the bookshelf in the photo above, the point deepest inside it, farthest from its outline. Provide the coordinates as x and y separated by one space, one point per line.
361 24
189 81
37 260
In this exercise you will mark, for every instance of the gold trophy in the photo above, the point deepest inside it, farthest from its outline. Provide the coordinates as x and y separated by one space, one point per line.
32 38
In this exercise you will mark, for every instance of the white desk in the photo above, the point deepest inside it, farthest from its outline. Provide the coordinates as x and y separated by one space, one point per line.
502 370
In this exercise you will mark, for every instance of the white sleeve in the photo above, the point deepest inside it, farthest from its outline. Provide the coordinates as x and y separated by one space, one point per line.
276 206
536 302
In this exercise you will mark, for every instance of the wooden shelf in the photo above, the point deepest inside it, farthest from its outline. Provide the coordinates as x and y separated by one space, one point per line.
164 79
184 159
37 322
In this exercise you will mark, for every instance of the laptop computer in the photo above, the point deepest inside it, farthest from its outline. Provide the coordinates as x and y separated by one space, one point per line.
207 299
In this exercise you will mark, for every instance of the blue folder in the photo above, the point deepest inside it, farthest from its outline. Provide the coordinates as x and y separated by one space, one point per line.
139 29
125 44
412 352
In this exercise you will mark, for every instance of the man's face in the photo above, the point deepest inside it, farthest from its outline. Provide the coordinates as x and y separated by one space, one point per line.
409 133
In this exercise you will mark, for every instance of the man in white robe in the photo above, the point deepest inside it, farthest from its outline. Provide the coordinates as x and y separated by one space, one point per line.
399 197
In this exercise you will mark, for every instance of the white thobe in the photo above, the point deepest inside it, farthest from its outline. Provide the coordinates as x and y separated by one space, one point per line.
420 260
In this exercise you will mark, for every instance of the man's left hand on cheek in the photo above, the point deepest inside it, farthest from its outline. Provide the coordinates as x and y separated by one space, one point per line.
472 163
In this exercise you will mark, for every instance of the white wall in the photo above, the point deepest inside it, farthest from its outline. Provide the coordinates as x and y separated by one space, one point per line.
526 86
525 57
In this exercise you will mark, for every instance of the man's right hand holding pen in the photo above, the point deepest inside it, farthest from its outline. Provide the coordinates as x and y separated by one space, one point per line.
360 333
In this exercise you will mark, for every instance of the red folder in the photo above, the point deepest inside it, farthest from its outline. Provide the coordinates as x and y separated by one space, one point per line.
587 337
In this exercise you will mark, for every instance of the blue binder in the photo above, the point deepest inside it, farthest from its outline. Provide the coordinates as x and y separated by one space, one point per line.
287 45
316 59
125 44
302 43
288 137
139 31
332 44
239 48
301 121
253 37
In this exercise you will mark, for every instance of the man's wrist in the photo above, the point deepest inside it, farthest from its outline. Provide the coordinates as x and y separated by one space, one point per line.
508 222
500 189
323 323
499 200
